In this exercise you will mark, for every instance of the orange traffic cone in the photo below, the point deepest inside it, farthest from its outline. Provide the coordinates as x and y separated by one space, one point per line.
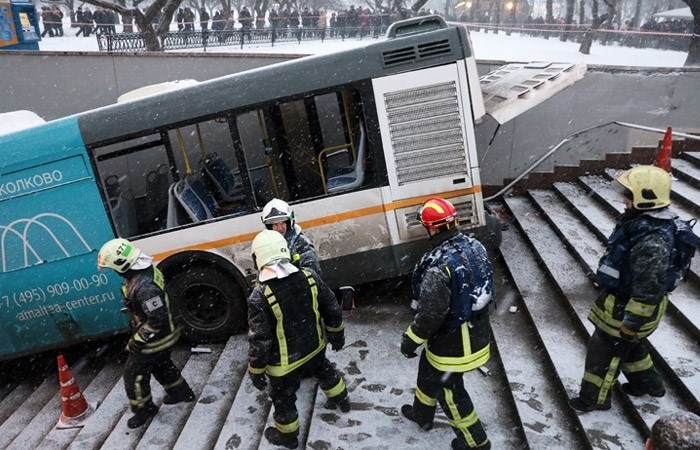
75 407
663 159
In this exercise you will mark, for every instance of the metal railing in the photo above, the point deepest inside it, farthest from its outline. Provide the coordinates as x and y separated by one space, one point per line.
178 40
569 138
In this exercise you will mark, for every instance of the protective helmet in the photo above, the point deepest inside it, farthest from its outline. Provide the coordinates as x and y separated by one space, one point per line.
118 254
268 246
437 212
650 187
276 211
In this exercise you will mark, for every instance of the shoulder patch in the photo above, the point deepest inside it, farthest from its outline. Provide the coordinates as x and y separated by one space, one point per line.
152 304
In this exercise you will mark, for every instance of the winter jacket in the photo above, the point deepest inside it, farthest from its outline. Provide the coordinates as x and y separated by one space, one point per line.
286 320
302 250
641 300
450 346
149 306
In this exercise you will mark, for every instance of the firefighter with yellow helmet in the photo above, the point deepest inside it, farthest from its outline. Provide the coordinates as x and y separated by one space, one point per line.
154 331
453 286
634 275
292 315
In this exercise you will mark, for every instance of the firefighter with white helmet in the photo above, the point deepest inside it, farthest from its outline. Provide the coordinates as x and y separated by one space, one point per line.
453 286
277 216
154 331
634 275
292 315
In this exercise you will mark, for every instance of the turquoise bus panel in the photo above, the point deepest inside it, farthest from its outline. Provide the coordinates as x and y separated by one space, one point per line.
52 223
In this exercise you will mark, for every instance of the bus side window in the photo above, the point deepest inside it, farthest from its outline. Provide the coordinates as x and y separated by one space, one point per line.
136 178
206 161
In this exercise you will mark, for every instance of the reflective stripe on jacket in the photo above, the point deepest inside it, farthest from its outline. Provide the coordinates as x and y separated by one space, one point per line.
449 347
148 303
286 319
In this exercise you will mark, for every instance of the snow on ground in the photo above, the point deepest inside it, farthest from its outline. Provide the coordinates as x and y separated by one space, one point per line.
487 46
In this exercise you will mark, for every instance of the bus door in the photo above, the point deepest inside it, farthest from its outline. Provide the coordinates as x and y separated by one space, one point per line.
429 146
52 223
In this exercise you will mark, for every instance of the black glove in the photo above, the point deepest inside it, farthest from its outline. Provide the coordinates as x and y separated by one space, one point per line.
408 347
337 340
145 334
259 380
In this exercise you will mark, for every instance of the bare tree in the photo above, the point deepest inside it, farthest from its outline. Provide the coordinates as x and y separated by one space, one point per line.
570 4
598 21
152 32
693 58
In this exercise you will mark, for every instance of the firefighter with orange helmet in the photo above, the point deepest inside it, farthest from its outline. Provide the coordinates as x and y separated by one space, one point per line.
452 287
154 331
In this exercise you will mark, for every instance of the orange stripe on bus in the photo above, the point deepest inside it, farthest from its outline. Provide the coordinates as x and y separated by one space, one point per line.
312 223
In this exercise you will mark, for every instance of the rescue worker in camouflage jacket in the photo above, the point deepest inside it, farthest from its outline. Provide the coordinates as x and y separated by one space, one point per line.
633 274
453 286
277 215
154 331
292 314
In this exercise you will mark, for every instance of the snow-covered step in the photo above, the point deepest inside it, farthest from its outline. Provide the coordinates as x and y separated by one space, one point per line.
674 344
693 157
246 419
167 424
546 419
39 412
95 394
206 419
563 336
101 423
17 395
379 380
44 420
121 436
687 170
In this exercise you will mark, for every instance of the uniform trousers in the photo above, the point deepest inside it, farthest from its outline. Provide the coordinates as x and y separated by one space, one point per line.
137 376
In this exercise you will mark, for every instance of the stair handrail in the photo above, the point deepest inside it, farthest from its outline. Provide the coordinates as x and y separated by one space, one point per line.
551 151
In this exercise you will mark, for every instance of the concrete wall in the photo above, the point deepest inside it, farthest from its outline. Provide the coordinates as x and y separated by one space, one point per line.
653 98
56 84
59 84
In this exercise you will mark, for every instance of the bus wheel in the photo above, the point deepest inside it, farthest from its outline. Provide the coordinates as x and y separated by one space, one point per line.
209 304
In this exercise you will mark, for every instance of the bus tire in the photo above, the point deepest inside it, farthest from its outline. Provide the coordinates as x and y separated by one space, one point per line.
209 304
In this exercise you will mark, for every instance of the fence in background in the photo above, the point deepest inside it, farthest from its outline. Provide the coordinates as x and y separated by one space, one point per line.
134 42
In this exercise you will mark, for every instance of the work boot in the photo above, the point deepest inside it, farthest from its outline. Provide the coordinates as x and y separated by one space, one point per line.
276 437
461 445
407 411
142 415
180 393
580 405
343 405
629 389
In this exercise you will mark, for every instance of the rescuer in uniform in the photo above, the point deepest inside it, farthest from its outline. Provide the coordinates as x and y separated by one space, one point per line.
154 332
633 274
291 316
453 286
277 215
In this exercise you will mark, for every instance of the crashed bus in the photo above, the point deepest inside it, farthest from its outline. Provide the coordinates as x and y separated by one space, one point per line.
354 141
